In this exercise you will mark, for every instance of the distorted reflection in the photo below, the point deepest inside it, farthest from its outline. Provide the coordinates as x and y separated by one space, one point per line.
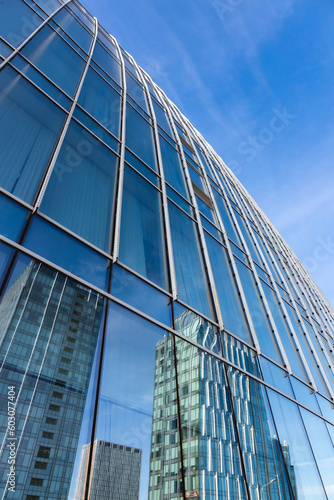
48 336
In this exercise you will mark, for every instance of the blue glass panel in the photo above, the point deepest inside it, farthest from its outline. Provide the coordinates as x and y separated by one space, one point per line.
29 127
53 244
142 237
141 167
92 125
136 91
141 295
5 254
178 200
12 217
205 209
190 275
5 50
196 328
226 218
137 403
80 192
268 343
104 41
55 59
239 253
40 80
161 117
107 63
210 227
17 21
101 101
204 163
195 177
229 300
276 377
172 167
240 354
304 395
49 6
139 137
299 459
72 27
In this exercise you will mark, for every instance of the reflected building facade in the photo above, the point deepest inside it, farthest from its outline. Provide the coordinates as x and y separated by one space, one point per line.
145 299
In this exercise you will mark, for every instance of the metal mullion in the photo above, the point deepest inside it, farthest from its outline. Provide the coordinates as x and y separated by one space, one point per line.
170 255
66 125
205 253
15 198
20 47
119 195
107 295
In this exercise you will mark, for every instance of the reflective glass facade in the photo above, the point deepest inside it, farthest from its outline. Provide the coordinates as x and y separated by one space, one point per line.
158 338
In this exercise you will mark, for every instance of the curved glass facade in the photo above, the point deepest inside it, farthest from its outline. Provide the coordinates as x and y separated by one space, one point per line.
158 338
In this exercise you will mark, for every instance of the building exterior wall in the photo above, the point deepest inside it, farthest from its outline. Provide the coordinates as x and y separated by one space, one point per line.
146 299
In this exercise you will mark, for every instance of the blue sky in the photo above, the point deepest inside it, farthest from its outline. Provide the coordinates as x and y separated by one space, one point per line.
233 67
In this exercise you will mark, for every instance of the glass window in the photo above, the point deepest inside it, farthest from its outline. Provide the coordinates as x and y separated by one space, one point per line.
136 410
55 58
263 457
298 456
240 354
161 117
265 335
276 377
141 295
139 137
226 218
12 217
142 236
101 101
190 275
135 90
39 314
229 300
80 192
17 21
141 167
5 255
172 167
59 247
29 128
68 22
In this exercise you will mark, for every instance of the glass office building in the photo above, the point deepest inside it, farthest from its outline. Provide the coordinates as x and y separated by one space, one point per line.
158 338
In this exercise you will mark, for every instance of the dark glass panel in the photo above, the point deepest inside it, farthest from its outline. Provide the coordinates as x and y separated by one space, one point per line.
141 295
136 91
190 274
141 167
161 117
142 236
80 192
66 20
12 217
29 128
226 218
55 245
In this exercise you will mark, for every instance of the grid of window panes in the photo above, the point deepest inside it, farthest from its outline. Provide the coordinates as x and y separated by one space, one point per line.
148 306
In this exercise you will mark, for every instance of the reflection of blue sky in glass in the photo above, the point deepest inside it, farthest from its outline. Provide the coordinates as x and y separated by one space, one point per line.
126 403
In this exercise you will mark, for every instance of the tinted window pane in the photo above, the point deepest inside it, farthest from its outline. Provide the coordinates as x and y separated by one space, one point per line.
101 101
172 167
12 217
107 63
190 274
139 137
141 295
76 30
55 59
229 300
142 241
52 243
136 91
81 189
161 117
29 127
133 415
17 21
